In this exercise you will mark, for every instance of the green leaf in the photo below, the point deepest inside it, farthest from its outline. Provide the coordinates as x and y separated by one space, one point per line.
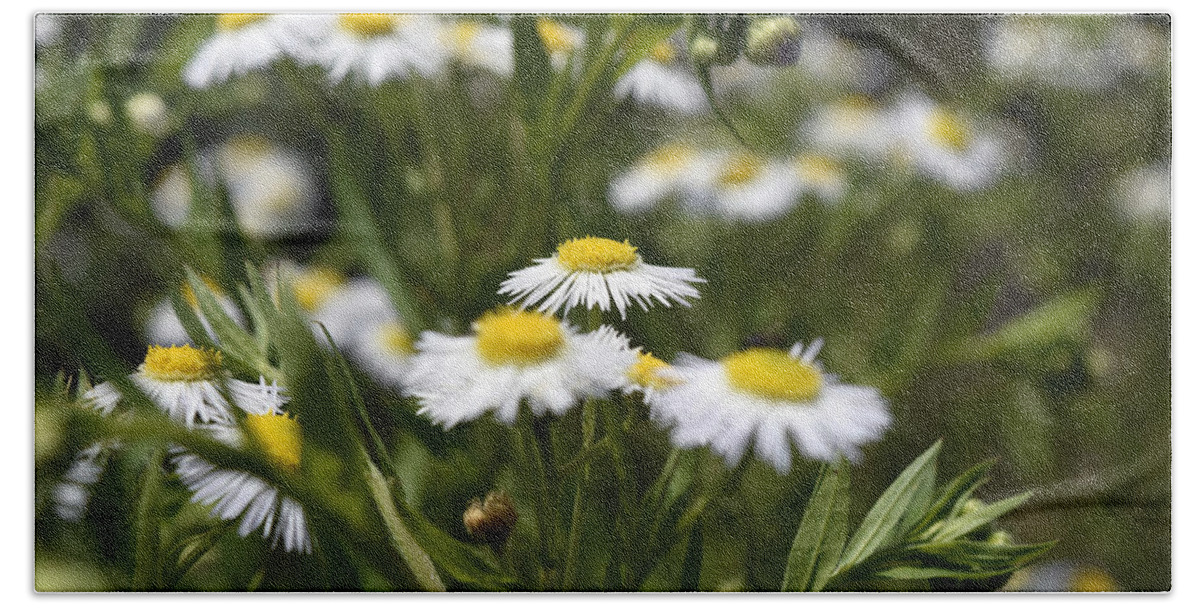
191 322
953 495
822 532
897 503
417 560
234 340
967 523
532 70
979 558
693 558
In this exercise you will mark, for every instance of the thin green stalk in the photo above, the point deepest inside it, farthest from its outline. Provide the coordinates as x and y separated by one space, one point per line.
537 487
590 411
417 560
145 558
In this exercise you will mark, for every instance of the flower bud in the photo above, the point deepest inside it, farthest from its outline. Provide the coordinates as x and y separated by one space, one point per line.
148 113
773 41
727 33
1000 538
493 520
100 112
704 49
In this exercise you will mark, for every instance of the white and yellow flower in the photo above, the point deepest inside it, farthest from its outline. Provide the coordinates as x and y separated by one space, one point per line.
746 186
648 374
481 45
373 46
243 42
271 189
514 356
559 39
667 171
185 383
239 495
852 127
595 272
822 176
945 145
770 398
665 80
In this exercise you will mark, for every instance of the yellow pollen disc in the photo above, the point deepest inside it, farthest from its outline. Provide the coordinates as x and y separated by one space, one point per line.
181 363
517 337
557 37
1092 580
595 254
948 130
740 170
369 25
819 169
645 372
396 339
233 21
461 34
669 158
772 373
663 52
278 436
314 285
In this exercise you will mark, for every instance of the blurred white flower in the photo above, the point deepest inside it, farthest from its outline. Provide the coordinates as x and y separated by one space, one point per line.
73 492
820 175
597 272
373 46
665 80
513 357
945 145
1145 192
147 112
561 40
47 29
662 173
243 42
271 190
746 186
1081 52
481 45
240 495
769 398
852 127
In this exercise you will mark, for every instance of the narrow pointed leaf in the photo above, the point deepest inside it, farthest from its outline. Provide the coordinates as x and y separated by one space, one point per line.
822 532
966 524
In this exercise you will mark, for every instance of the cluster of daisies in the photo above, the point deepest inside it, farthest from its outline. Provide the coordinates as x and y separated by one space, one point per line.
913 134
521 355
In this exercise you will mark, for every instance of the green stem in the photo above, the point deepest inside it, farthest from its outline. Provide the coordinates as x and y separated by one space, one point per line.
145 564
537 487
590 411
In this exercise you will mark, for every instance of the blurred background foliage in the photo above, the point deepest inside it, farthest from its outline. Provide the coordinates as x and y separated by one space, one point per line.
1025 317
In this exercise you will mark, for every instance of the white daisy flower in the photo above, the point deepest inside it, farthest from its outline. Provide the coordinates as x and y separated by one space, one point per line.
164 326
852 127
271 190
185 383
822 176
349 311
240 495
72 493
746 186
945 146
1145 192
648 374
666 171
472 43
560 40
243 42
770 398
373 46
598 272
514 356
665 81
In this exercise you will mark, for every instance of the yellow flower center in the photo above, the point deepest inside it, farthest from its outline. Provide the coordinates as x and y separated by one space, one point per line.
772 373
234 21
181 363
669 158
740 170
395 338
369 25
595 254
517 337
948 130
461 34
1092 580
278 436
663 52
645 372
819 169
556 37
314 285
